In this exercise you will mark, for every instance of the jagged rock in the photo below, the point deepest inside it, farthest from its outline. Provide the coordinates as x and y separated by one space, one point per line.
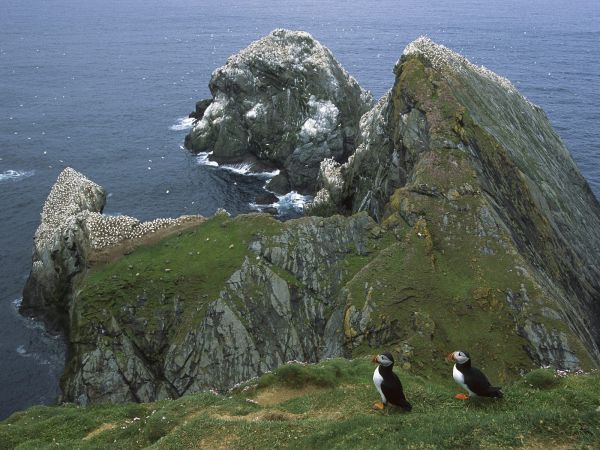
59 247
283 99
449 131
462 231
266 198
201 107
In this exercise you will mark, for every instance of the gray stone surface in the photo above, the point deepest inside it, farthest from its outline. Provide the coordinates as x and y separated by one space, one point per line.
522 169
285 100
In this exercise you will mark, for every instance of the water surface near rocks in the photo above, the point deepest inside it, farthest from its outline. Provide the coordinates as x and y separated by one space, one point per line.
104 87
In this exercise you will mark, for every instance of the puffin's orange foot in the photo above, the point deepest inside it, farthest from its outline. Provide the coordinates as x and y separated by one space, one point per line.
461 397
378 406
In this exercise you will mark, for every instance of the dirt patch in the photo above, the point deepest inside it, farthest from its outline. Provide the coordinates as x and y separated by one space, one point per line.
267 415
276 395
219 442
100 429
115 252
543 445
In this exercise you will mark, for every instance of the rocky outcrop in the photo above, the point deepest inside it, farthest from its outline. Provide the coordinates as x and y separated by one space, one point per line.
60 246
73 231
283 100
459 231
453 134
273 309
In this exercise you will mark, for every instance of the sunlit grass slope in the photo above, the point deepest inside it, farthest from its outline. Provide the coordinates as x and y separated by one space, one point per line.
327 405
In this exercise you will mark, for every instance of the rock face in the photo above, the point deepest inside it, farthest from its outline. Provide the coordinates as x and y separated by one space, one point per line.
283 100
60 247
163 339
71 231
451 136
466 225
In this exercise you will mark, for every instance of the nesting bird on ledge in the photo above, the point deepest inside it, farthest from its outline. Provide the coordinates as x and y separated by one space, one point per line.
471 378
388 384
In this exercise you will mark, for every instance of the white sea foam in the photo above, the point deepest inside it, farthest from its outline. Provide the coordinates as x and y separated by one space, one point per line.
267 175
183 123
17 302
241 168
203 159
15 174
246 169
292 202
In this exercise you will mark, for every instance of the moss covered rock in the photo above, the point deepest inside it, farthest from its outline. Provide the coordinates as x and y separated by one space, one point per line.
465 225
454 151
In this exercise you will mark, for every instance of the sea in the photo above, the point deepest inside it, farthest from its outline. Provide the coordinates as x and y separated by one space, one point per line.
105 87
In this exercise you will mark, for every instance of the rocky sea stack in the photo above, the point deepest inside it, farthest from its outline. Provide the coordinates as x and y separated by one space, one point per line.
283 101
449 216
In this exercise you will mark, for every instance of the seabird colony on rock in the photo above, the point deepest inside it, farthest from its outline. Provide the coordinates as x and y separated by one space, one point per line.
71 194
298 47
442 57
74 198
106 231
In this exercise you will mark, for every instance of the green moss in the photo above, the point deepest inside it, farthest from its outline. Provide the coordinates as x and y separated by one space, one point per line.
194 263
298 375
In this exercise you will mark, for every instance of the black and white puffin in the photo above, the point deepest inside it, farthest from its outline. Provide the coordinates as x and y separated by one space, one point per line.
471 378
388 384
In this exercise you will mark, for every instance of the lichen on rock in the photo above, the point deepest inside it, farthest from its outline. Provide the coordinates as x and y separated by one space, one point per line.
284 100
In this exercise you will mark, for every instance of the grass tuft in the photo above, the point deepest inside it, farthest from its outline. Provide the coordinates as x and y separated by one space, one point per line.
542 379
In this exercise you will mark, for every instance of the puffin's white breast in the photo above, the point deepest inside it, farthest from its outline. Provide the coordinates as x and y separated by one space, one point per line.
460 379
378 379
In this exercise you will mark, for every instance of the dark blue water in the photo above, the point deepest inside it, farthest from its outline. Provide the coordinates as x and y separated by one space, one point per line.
97 86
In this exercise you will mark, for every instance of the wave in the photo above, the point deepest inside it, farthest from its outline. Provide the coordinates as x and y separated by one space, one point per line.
183 123
202 159
246 169
16 174
290 203
241 168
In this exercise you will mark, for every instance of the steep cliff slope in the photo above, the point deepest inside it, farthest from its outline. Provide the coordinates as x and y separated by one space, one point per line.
456 148
459 230
218 304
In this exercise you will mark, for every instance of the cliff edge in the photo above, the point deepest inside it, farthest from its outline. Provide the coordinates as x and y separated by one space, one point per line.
451 216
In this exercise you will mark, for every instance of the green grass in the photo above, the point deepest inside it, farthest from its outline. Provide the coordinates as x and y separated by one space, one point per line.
335 413
192 267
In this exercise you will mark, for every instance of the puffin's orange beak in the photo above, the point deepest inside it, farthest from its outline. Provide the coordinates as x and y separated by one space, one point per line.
450 356
375 359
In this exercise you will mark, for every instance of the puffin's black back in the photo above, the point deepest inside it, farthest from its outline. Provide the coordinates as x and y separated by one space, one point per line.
392 387
476 380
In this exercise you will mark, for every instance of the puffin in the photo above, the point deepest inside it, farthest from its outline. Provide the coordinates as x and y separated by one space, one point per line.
471 378
388 384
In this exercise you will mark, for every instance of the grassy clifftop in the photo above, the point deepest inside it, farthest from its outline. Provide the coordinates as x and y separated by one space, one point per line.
327 405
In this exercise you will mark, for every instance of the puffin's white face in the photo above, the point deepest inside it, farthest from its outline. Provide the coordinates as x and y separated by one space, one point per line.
384 360
460 357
